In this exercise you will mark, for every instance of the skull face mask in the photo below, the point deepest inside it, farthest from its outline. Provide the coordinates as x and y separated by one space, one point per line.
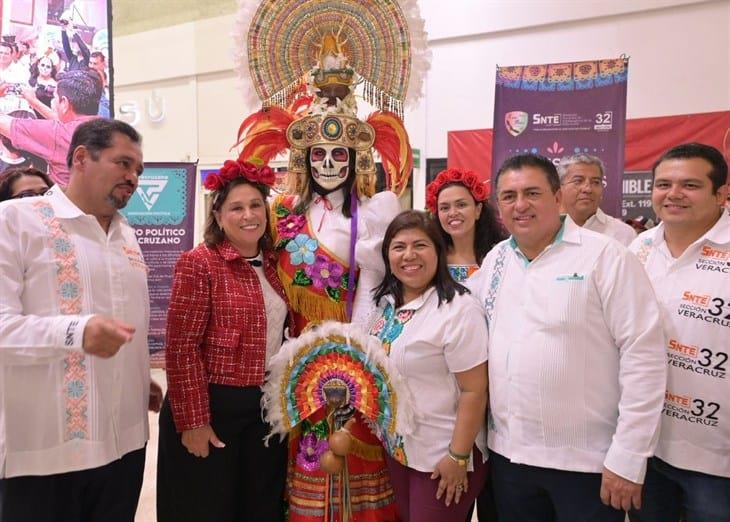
330 165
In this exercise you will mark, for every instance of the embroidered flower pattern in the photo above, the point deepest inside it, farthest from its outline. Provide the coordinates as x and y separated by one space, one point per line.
301 249
290 226
310 450
325 273
389 327
70 296
75 388
62 245
69 290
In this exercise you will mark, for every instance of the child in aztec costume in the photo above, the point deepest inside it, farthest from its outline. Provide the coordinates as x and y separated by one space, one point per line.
304 61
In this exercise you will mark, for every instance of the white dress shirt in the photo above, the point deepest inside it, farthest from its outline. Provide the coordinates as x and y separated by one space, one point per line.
429 344
276 312
694 290
576 373
604 224
63 410
332 231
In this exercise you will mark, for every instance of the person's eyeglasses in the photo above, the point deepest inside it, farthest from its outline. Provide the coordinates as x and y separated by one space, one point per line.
593 183
29 193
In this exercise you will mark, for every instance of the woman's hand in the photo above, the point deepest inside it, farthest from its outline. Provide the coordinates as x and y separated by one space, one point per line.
453 480
197 440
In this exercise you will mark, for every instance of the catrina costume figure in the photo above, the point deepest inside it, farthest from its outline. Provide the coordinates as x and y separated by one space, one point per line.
307 62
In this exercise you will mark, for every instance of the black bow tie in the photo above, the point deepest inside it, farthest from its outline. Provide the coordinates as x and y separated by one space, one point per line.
255 262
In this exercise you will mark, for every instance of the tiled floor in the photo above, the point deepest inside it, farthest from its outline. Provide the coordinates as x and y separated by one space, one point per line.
146 511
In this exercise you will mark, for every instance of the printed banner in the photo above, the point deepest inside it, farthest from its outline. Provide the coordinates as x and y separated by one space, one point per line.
561 109
51 49
163 215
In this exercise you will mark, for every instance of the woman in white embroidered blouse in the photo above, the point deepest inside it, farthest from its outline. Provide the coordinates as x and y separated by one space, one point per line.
435 332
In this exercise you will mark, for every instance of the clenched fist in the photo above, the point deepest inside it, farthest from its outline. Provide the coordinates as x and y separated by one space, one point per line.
104 336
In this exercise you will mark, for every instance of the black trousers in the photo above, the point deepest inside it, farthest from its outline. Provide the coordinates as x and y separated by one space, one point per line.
486 504
531 494
109 493
242 482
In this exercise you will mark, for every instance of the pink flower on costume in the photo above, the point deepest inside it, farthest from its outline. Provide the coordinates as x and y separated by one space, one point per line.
290 226
310 449
325 273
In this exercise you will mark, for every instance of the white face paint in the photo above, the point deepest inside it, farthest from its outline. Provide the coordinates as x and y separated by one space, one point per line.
330 165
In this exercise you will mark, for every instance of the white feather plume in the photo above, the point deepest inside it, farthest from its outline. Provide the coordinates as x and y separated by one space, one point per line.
420 53
244 16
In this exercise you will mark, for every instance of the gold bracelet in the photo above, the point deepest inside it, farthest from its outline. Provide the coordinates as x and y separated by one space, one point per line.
461 460
452 453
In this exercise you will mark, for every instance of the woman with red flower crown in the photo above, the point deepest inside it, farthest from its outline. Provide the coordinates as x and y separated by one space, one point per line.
458 201
226 319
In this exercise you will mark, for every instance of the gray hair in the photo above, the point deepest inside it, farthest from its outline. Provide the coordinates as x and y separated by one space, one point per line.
582 159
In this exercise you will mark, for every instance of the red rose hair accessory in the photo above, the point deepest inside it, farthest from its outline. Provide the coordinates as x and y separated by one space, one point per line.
478 189
233 169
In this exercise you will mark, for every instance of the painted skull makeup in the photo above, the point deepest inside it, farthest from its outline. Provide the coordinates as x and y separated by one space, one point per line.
330 165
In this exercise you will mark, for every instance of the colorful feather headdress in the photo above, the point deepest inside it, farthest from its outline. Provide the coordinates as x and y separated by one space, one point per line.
304 60
340 355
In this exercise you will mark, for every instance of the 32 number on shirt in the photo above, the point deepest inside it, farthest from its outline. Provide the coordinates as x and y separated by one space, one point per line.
699 409
718 307
708 358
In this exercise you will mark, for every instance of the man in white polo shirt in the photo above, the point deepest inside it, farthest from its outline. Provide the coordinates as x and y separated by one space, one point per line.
582 179
687 258
576 378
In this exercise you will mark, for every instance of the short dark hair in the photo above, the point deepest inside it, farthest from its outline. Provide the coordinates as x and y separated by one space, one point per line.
10 46
488 231
98 54
445 285
83 89
97 135
214 235
710 154
9 176
521 161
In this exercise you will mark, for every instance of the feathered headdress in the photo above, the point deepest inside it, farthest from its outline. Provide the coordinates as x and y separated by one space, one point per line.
303 61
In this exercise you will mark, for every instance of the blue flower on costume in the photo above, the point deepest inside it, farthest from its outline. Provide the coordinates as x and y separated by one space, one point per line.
302 249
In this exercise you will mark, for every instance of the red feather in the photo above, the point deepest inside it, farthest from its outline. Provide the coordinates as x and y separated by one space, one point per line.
263 134
391 142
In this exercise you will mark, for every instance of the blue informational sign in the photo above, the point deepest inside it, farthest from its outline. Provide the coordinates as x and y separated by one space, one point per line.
162 213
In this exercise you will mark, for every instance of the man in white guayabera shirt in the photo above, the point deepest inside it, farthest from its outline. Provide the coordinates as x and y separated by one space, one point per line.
576 367
582 180
74 363
687 258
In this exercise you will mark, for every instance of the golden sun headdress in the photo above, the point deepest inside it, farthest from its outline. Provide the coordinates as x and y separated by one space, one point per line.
306 62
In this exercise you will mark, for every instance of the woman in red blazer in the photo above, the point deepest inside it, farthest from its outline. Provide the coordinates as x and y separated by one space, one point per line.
226 318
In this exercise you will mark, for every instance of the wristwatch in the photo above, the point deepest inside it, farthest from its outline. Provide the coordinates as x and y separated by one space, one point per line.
461 460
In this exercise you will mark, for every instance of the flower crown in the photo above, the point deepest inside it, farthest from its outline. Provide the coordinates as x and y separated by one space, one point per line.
478 189
233 169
